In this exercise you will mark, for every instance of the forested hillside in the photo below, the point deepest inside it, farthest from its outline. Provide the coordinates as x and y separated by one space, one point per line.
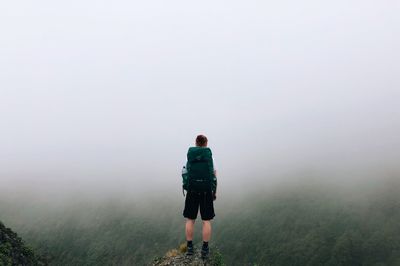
13 250
308 225
314 229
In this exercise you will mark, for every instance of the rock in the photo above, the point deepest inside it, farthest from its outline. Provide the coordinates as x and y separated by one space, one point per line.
178 257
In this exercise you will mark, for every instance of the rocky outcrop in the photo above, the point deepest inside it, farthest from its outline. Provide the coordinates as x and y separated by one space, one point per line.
178 257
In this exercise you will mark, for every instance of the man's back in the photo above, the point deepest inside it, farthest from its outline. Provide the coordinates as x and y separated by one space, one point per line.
200 169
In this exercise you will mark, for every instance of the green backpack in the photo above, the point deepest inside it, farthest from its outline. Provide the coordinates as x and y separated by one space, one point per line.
200 169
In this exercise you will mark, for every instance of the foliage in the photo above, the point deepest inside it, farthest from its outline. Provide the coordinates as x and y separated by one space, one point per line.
13 251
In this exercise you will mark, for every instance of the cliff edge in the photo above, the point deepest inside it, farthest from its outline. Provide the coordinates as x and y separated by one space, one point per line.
178 257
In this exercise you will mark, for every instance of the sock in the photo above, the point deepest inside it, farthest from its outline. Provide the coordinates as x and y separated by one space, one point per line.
205 244
189 243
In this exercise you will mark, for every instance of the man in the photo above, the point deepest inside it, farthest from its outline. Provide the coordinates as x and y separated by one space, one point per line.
200 181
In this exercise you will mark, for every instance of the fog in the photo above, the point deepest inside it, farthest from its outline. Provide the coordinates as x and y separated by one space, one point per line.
105 98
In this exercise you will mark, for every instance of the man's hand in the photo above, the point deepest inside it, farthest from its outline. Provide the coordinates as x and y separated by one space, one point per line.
214 195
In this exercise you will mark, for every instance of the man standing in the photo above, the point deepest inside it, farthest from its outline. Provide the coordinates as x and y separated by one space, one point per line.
200 181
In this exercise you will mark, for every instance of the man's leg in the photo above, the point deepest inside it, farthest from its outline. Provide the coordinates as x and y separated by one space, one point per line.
206 230
206 237
207 213
189 228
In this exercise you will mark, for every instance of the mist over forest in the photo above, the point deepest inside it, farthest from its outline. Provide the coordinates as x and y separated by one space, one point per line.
100 101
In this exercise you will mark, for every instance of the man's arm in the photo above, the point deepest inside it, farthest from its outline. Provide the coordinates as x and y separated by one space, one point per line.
214 185
215 181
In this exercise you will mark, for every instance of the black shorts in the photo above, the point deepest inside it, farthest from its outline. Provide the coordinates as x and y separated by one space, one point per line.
194 200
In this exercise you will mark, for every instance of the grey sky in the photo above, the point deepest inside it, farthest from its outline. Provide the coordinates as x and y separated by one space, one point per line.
114 92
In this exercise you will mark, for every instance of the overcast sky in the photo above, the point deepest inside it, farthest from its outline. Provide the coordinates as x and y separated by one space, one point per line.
114 92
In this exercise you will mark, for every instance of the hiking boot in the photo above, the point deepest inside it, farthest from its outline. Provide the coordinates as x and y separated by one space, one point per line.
190 250
204 252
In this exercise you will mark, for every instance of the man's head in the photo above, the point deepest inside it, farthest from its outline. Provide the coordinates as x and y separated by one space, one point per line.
201 141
